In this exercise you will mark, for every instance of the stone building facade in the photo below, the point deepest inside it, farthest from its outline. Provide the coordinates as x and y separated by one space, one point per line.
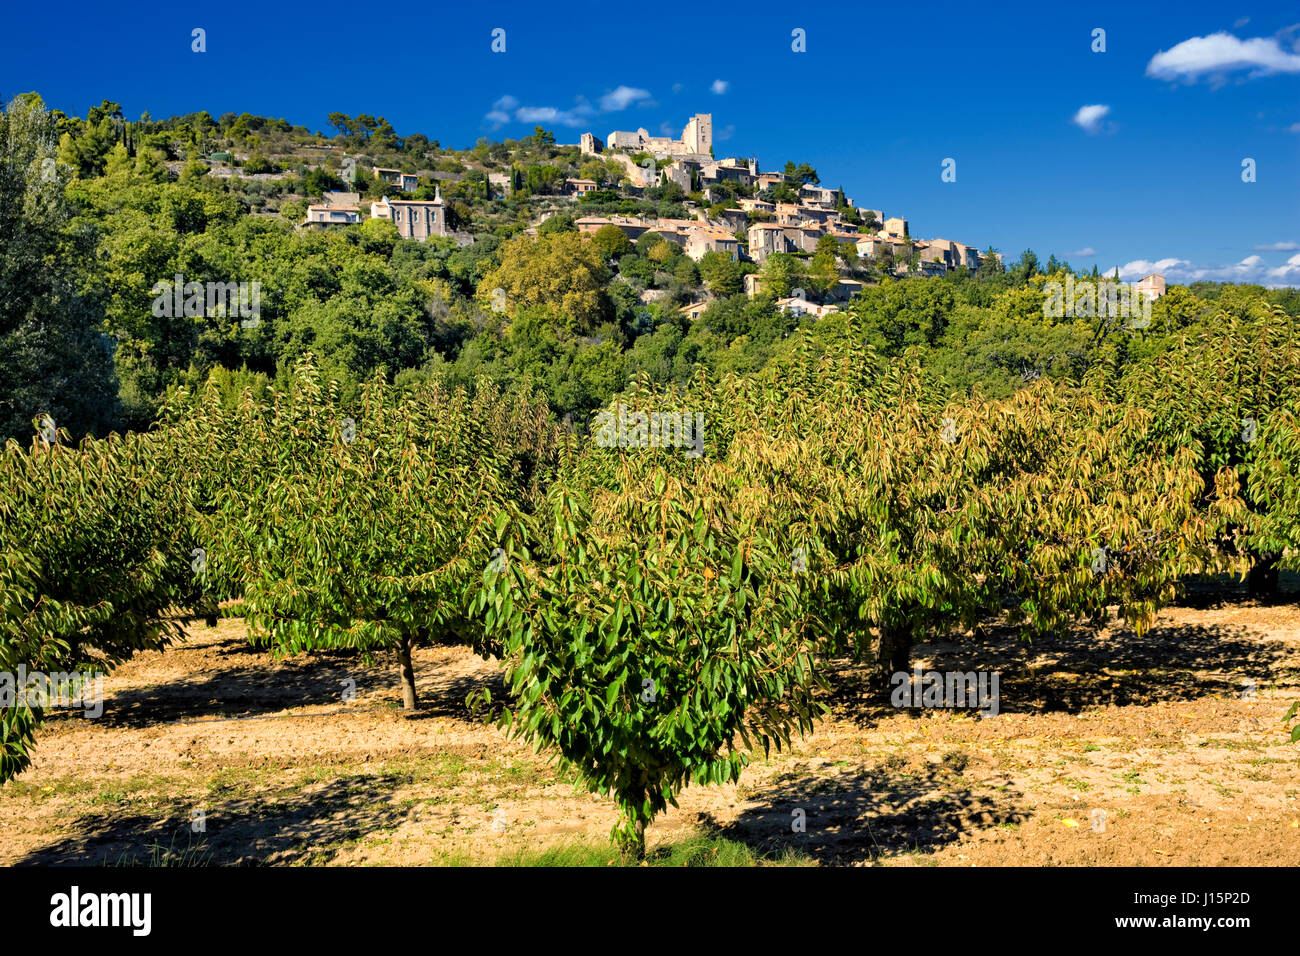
414 219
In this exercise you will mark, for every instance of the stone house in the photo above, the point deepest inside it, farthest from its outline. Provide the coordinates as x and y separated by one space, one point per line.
729 172
818 196
704 239
895 227
406 182
693 310
1151 286
766 238
414 219
803 238
802 306
323 215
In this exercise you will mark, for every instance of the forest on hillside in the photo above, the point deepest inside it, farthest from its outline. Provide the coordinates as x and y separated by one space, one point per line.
92 200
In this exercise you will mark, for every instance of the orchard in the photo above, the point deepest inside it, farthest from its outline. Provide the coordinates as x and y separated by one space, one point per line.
658 616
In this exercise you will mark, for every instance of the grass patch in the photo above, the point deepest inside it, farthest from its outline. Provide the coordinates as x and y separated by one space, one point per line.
700 849
191 855
705 850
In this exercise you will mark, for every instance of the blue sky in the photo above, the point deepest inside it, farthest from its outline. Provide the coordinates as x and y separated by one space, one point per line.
1130 157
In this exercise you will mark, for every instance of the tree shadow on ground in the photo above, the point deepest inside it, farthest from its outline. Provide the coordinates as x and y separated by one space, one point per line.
445 695
866 815
286 825
1225 590
265 686
1085 668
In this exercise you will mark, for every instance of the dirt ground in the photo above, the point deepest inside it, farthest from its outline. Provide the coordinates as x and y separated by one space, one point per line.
1109 749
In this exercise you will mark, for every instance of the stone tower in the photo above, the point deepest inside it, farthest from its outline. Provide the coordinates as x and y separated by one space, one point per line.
698 134
437 213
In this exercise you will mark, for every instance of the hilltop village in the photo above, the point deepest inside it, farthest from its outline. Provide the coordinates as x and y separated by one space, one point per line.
772 211
733 207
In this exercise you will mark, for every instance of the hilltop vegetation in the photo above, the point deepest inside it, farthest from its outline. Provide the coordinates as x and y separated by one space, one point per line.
580 316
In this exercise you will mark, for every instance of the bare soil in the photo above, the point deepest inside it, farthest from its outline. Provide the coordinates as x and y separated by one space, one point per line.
1109 748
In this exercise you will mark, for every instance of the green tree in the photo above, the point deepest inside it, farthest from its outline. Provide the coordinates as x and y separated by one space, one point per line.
612 242
563 272
95 555
721 274
824 270
559 222
990 265
54 360
367 527
781 273
802 173
641 641
1229 393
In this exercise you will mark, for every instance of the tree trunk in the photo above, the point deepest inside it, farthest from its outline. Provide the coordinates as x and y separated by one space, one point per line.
631 831
638 840
1261 579
893 655
209 609
407 672
631 836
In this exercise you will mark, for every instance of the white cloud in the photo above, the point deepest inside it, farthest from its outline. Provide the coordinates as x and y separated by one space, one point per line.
1221 53
678 87
549 114
536 114
621 98
508 109
1089 117
1087 252
499 115
1293 128
1241 23
719 86
1144 267
1277 247
1288 274
725 133
1252 269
